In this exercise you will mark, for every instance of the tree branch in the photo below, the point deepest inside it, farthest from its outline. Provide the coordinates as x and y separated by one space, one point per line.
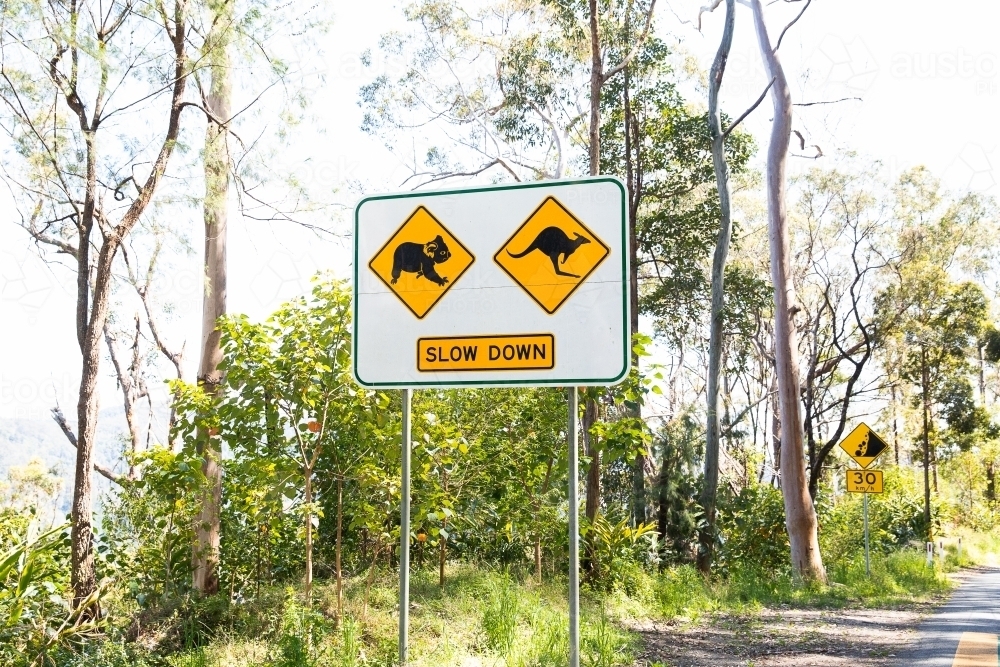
709 9
794 21
842 99
60 419
748 111
635 50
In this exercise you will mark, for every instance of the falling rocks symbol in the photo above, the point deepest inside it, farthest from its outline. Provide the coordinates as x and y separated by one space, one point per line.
871 446
863 445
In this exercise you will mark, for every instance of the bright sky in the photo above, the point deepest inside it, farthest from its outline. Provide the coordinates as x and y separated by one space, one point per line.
928 74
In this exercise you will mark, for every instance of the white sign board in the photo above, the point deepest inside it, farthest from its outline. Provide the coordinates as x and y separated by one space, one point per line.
504 285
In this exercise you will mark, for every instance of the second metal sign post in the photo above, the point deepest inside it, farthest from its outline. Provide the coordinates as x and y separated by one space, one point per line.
509 285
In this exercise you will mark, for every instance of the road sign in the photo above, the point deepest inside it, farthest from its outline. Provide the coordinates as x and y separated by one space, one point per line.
551 254
863 445
864 481
550 309
421 262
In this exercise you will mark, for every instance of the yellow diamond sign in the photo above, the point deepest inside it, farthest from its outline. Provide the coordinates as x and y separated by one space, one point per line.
551 254
863 445
421 261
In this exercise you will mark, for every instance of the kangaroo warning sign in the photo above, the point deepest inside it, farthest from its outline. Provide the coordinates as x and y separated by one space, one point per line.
558 254
551 308
863 445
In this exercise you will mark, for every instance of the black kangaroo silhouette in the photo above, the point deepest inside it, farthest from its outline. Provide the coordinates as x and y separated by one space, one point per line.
554 242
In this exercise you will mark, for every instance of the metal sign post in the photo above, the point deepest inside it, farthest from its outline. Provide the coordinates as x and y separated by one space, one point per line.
404 534
864 446
868 562
574 532
499 286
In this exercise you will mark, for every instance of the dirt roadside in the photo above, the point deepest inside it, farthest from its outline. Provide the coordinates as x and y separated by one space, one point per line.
788 637
784 637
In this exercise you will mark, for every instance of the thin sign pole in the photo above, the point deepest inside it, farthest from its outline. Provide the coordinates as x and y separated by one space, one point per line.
868 565
404 535
574 533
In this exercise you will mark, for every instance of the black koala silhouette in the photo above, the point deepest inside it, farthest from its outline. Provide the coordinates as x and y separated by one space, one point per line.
420 258
553 242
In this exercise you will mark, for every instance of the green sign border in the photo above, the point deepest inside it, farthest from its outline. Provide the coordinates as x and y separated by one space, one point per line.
496 383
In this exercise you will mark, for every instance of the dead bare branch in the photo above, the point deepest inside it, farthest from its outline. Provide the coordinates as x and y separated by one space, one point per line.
60 419
748 111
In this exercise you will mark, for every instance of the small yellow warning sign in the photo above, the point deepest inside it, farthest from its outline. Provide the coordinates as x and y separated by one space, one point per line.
421 261
863 445
551 254
864 481
478 353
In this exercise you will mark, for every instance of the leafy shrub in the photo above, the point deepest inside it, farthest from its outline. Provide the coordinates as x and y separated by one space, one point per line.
752 531
616 548
895 519
148 528
36 618
301 638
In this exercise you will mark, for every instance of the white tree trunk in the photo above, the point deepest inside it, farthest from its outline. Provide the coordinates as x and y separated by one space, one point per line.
207 536
800 515
713 427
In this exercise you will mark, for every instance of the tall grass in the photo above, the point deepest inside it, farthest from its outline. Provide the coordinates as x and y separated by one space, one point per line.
896 578
500 616
499 619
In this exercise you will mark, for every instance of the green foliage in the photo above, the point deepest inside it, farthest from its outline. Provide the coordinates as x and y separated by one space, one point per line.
752 524
682 591
149 526
615 548
895 519
36 618
300 641
678 447
604 645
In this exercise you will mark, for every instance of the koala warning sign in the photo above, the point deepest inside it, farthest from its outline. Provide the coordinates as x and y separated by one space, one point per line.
550 309
421 262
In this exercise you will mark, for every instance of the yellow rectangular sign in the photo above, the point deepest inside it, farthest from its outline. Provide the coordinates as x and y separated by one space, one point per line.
864 481
523 352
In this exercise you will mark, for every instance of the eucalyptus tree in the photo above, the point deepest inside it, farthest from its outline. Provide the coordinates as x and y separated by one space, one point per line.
939 321
218 110
72 74
494 92
843 255
941 313
723 240
800 514
241 45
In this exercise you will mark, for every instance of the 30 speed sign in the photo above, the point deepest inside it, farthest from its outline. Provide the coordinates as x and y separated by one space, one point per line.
864 481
